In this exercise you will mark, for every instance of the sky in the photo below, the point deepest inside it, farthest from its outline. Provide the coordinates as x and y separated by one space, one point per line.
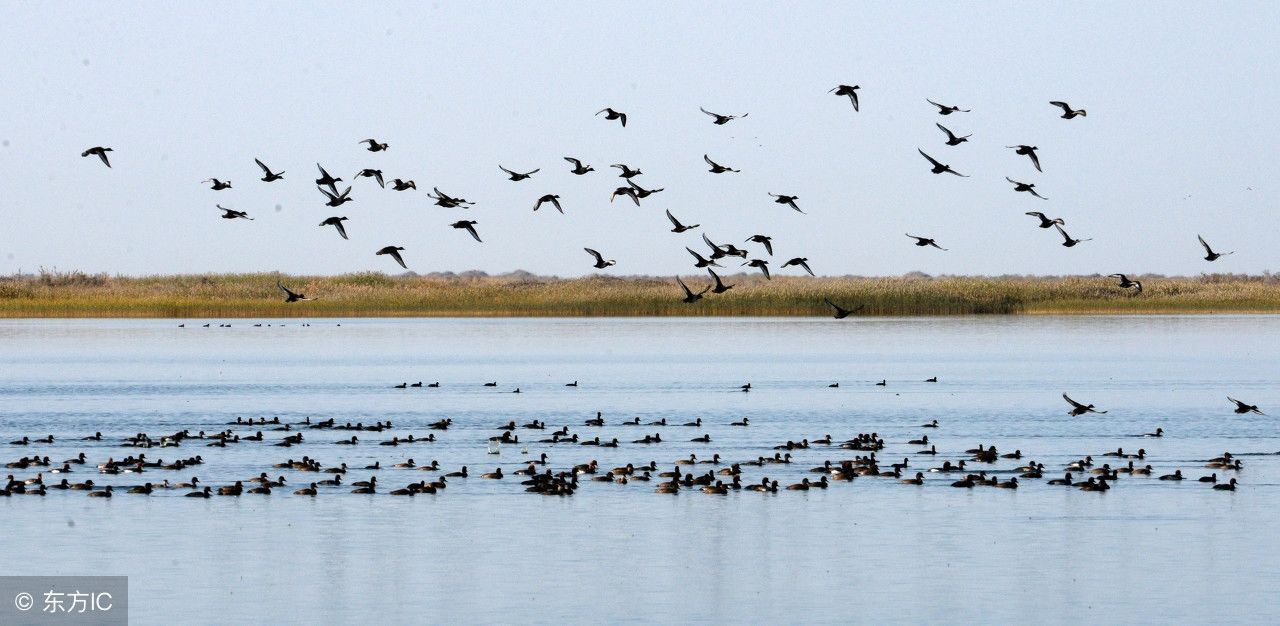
1178 141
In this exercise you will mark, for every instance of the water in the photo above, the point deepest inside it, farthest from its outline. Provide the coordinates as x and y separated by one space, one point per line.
485 551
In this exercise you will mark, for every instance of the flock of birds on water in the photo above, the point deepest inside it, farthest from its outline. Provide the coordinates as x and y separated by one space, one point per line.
869 456
334 197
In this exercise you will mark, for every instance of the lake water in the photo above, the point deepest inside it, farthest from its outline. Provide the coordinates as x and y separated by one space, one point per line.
872 551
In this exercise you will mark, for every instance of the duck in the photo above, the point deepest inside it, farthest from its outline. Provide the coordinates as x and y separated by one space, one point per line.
1065 480
744 422
494 475
1231 486
1211 478
105 493
803 485
309 490
204 493
918 480
1176 475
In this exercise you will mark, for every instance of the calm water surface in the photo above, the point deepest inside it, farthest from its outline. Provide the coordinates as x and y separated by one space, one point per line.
871 551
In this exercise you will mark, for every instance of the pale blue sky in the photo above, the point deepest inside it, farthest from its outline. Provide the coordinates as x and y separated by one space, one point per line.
1181 100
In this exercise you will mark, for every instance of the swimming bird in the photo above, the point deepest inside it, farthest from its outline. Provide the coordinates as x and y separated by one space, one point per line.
787 200
938 166
230 214
1078 409
763 240
268 175
1243 408
291 296
218 185
1067 111
625 191
721 120
403 185
376 175
394 252
516 176
720 287
578 167
702 261
1027 187
610 114
716 168
947 110
100 152
335 199
1045 221
326 180
952 139
336 222
627 172
600 262
1231 486
469 226
802 262
1210 255
689 296
925 241
552 198
847 90
374 146
677 227
762 265
1067 241
841 312
1029 152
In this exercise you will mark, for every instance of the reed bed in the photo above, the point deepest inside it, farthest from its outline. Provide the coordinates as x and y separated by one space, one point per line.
74 294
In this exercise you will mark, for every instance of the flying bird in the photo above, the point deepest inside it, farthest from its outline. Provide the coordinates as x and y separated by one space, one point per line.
947 110
787 200
689 296
469 226
677 227
218 185
1078 409
1067 111
230 214
1029 152
702 261
100 152
641 192
552 198
337 200
939 167
764 240
847 90
610 114
336 222
719 287
1243 408
716 168
925 241
374 146
1067 241
1045 222
841 312
403 185
721 120
760 264
394 252
625 191
1125 283
952 139
1210 255
799 262
578 167
600 262
327 180
516 176
627 172
1027 187
449 202
376 175
289 295
268 175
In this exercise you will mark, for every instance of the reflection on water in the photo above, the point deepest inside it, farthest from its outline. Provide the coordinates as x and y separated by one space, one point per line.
872 550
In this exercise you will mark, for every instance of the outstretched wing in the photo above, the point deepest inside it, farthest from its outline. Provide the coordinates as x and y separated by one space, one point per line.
599 258
1072 402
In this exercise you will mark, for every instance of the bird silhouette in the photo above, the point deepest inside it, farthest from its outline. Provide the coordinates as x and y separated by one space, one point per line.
610 114
721 120
766 241
760 264
268 175
701 261
393 252
517 176
337 200
600 262
952 139
231 214
1078 409
1243 408
787 200
925 241
403 185
100 152
469 226
1210 255
801 262
719 287
376 175
947 110
552 198
1027 187
336 222
841 312
626 171
1045 222
1067 241
578 167
641 192
716 168
689 296
326 180
291 296
1067 111
677 227
374 146
449 202
847 90
625 191
1029 152
938 166
218 185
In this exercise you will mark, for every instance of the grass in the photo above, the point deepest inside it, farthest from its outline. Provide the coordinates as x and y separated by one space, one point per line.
51 294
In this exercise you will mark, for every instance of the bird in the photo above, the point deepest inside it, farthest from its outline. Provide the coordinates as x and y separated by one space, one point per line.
689 296
627 172
394 251
1027 187
403 185
1067 111
802 262
641 192
847 90
336 222
766 241
327 180
600 262
701 261
925 241
337 200
552 198
719 287
938 166
1045 222
449 202
716 168
268 175
290 295
947 110
841 312
578 167
218 185
469 226
1067 241
230 214
1029 152
625 191
1078 409
1210 255
677 227
762 265
787 200
516 176
952 139
721 120
1125 283
376 175
374 146
100 152
1243 408
610 114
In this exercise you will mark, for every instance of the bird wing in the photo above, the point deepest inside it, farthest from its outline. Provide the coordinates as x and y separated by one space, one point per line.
1035 160
323 174
1205 244
1064 234
688 293
286 290
102 154
623 116
264 167
709 161
575 162
1036 194
1063 105
674 221
1013 181
932 160
506 170
935 104
695 255
764 268
1036 214
708 112
950 135
341 229
805 265
395 254
715 276
378 177
1072 402
599 258
472 229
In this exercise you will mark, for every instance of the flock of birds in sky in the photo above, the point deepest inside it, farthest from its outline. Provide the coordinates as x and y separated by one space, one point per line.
630 189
